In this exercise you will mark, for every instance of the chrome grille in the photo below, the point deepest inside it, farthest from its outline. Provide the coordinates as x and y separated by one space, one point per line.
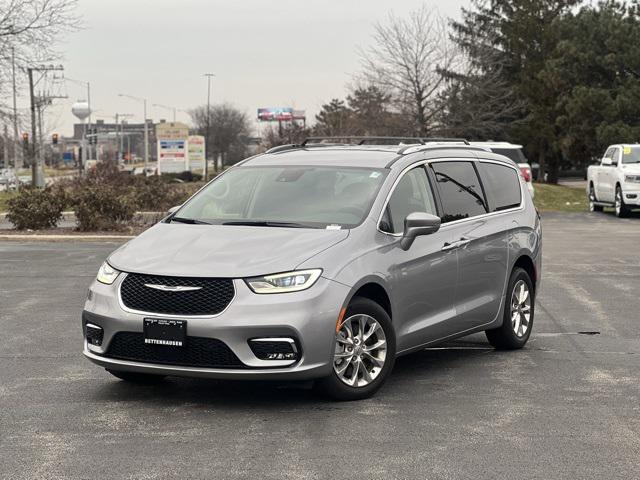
176 295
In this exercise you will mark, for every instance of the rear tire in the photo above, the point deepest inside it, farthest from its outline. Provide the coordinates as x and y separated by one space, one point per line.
622 210
592 198
135 377
519 309
355 358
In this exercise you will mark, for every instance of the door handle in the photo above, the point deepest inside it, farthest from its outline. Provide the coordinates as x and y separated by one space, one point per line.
453 245
463 241
449 246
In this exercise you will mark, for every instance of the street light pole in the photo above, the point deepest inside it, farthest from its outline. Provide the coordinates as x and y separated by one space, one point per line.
87 125
167 107
208 128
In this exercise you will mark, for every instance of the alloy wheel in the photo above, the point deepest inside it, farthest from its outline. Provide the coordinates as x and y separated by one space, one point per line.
360 352
520 308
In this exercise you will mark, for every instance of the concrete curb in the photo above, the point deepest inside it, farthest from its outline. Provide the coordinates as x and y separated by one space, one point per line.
65 238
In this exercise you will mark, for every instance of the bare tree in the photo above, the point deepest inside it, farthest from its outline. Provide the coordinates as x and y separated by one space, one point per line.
32 27
29 32
287 132
230 129
406 60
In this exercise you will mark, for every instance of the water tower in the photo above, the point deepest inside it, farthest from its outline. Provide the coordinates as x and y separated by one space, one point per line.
82 111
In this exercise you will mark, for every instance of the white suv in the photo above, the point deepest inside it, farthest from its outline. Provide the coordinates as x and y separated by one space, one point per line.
515 153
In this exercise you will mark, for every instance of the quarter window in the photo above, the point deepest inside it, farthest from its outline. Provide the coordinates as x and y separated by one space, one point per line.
502 185
460 190
411 194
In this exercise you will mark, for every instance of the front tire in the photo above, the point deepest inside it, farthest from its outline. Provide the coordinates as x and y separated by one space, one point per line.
622 210
518 314
135 377
364 353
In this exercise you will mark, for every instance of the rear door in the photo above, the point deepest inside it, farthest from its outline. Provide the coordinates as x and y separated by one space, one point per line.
479 239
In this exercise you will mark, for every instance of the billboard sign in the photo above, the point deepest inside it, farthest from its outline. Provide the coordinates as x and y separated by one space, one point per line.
172 147
172 156
196 153
279 114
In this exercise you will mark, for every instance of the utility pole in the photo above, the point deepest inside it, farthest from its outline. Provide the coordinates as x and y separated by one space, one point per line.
120 132
208 129
146 138
5 145
37 177
17 154
146 127
37 169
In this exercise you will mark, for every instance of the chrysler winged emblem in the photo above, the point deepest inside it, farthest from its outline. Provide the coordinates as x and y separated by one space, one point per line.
171 288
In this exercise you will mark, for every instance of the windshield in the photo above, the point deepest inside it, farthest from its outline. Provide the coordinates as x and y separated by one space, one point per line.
630 155
286 196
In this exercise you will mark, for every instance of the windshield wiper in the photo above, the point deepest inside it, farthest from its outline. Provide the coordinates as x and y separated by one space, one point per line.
265 223
190 221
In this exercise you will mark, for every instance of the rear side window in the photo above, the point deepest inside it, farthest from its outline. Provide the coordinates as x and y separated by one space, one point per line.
514 154
502 185
460 190
411 194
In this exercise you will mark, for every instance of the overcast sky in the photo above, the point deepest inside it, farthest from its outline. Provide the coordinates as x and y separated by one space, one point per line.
298 53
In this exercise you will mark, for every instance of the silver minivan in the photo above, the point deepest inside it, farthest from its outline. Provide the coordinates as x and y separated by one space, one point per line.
325 262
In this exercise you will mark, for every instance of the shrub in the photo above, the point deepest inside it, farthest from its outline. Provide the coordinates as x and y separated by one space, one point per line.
102 206
185 176
36 209
155 194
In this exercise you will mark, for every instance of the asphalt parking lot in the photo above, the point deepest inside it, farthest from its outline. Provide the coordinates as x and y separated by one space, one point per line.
567 406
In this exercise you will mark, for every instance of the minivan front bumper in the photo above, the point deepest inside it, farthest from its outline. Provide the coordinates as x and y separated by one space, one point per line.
308 317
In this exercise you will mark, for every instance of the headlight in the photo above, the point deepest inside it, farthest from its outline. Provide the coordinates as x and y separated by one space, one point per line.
632 178
107 274
284 282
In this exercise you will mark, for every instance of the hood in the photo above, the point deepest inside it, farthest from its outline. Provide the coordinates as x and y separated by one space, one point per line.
221 251
631 168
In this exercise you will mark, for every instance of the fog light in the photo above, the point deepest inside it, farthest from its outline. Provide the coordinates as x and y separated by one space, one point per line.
94 334
274 348
631 195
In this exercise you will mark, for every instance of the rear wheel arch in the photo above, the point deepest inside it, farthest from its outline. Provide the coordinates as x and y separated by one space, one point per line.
526 263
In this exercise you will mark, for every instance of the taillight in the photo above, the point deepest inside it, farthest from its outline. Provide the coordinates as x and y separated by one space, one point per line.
526 173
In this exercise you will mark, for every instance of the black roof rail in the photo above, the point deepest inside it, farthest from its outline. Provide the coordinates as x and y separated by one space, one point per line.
346 140
362 140
381 140
446 139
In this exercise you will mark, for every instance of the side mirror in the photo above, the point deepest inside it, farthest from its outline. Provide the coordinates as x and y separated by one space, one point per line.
607 161
174 209
417 224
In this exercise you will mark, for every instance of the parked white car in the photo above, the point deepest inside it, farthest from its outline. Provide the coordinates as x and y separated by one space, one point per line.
615 182
515 153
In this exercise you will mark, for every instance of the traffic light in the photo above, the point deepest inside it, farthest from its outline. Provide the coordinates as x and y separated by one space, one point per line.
54 139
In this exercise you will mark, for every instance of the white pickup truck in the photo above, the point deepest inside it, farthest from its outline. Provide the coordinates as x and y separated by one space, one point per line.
615 182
